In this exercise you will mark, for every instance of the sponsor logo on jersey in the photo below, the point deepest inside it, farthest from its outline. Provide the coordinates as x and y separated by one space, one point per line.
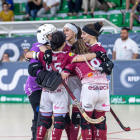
98 87
56 91
88 106
104 105
55 107
129 77
71 54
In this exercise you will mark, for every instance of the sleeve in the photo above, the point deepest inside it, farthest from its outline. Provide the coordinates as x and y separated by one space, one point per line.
12 14
115 45
40 58
134 47
69 68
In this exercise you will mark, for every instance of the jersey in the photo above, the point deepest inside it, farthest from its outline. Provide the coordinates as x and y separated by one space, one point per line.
31 85
59 60
96 47
67 48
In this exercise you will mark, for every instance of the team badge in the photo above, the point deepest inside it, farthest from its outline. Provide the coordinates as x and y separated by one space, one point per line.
71 54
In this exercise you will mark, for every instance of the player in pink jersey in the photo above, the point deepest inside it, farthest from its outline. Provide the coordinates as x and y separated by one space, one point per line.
90 33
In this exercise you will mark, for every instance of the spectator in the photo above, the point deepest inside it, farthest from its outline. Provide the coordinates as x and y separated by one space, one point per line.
128 2
92 4
49 5
134 15
5 57
125 48
6 14
23 58
10 3
74 6
32 7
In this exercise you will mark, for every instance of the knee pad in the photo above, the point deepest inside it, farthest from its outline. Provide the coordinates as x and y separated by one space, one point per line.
67 119
84 124
45 122
59 122
76 116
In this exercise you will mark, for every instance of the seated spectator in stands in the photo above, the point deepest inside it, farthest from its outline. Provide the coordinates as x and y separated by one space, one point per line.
5 57
74 7
32 7
22 57
92 4
6 14
134 15
128 2
10 3
49 5
125 48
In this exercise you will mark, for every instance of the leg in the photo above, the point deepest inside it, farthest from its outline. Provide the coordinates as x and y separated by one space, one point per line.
74 129
53 11
75 85
68 124
33 13
27 11
41 12
132 17
85 6
59 125
101 128
86 127
127 4
70 6
44 124
35 101
77 6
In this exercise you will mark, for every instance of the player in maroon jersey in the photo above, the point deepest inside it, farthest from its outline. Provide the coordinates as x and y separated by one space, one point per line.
73 33
90 33
94 94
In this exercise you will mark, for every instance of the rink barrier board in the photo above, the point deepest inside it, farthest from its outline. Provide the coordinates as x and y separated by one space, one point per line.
114 99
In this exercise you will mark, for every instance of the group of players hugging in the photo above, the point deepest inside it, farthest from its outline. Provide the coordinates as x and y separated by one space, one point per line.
74 53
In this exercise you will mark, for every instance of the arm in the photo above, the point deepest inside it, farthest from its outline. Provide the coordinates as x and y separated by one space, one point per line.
114 55
79 58
36 2
135 55
29 55
43 48
12 18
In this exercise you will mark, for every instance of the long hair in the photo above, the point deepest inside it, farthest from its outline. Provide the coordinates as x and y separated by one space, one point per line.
79 47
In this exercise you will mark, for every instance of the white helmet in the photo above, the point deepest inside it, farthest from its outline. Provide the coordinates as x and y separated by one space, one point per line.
43 32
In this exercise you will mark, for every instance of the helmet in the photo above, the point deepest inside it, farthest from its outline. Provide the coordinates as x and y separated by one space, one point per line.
43 32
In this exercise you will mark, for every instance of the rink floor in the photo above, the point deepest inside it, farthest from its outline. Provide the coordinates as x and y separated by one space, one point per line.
15 122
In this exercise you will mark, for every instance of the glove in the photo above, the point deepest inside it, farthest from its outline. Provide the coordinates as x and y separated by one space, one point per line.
48 57
101 55
49 80
33 68
107 67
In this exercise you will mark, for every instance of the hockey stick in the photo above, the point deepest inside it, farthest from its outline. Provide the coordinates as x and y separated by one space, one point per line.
119 122
87 118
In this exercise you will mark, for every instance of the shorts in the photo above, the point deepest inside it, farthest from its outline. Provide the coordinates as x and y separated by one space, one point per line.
74 83
54 101
95 97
